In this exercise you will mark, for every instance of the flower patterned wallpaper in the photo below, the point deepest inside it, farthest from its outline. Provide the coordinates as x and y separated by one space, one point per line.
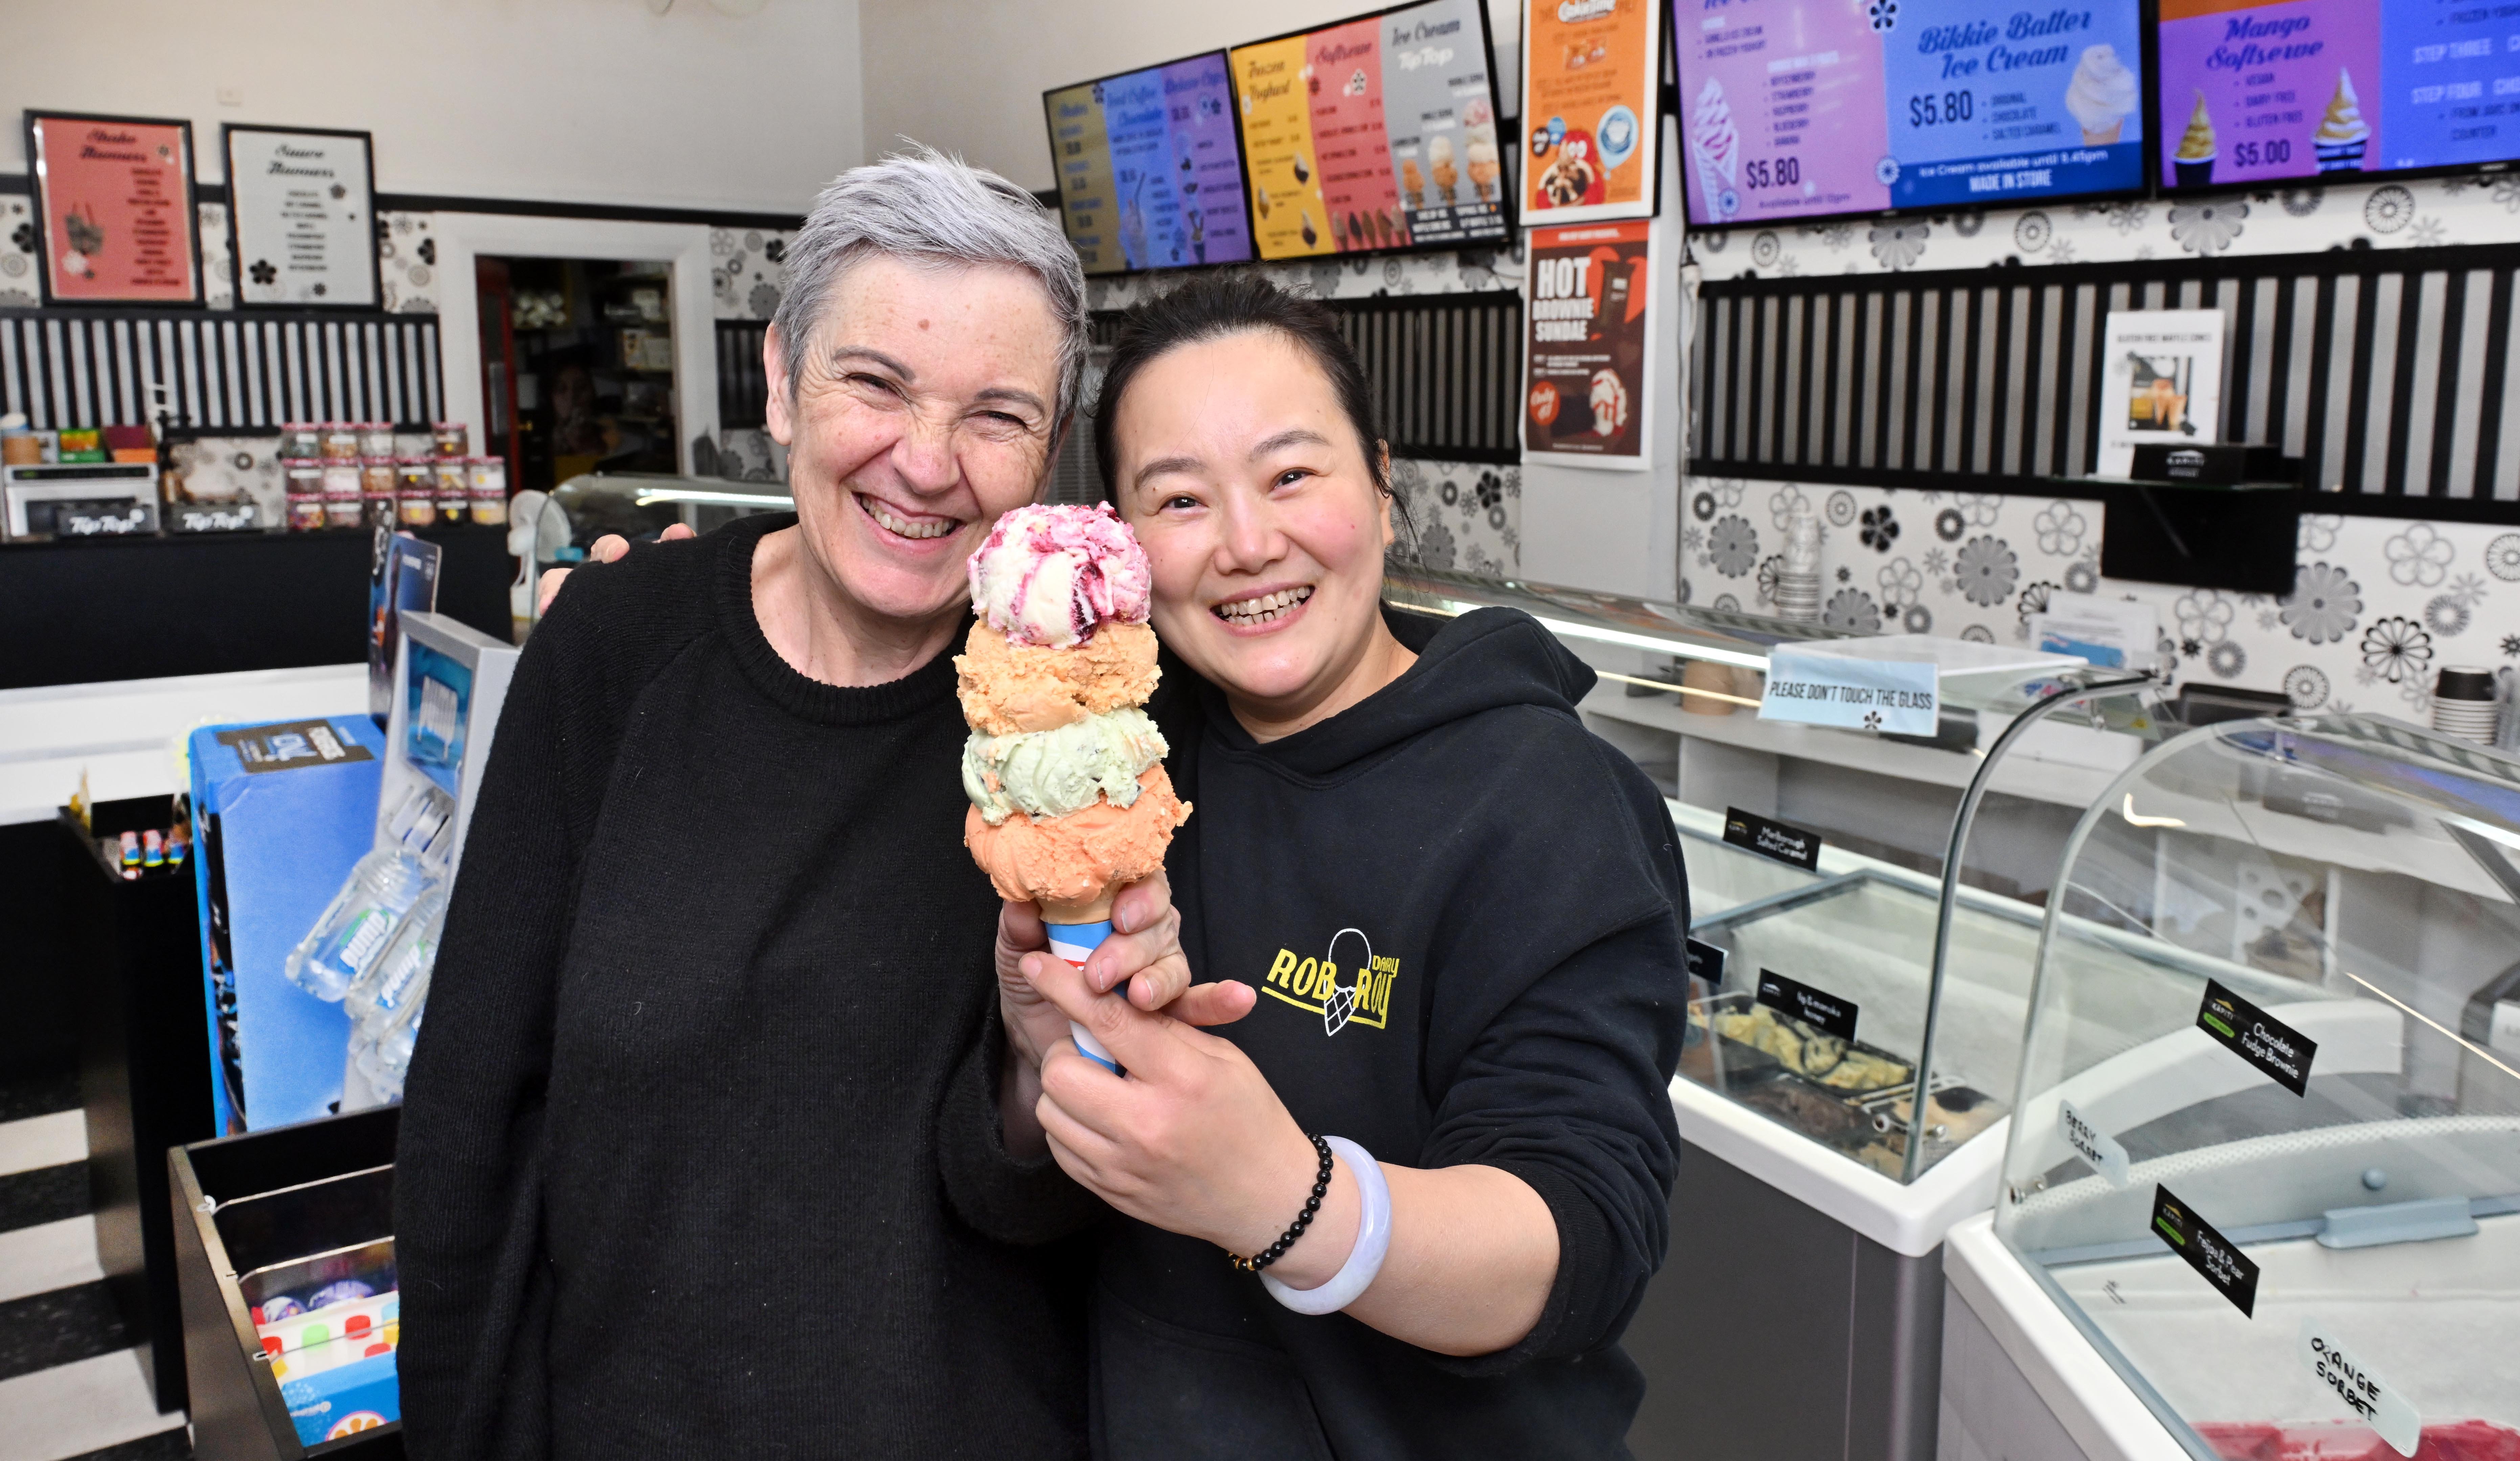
1465 516
747 270
406 258
19 288
2418 214
2378 606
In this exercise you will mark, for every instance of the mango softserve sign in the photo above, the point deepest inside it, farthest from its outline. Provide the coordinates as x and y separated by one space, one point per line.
1812 688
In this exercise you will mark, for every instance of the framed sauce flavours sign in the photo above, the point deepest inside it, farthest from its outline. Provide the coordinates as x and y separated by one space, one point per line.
113 196
1379 133
1590 75
304 205
1587 330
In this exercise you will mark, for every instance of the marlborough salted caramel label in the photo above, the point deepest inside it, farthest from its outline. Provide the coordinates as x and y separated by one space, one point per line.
1770 838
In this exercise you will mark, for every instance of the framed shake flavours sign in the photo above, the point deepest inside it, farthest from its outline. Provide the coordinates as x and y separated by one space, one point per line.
1377 133
304 205
1591 70
113 201
1150 176
1590 316
1805 108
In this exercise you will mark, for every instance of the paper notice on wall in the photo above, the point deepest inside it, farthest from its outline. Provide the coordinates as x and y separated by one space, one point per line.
2161 380
1814 688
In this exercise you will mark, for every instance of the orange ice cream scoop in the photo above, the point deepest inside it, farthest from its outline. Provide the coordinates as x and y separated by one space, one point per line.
1008 687
1074 859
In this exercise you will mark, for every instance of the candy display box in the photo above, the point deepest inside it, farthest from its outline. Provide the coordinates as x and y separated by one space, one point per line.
292 1314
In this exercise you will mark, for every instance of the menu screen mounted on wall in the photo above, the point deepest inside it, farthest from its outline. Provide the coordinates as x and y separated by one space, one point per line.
1803 109
2254 93
1376 133
1148 174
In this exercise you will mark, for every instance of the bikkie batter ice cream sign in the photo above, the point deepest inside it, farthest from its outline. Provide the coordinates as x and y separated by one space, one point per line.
1589 323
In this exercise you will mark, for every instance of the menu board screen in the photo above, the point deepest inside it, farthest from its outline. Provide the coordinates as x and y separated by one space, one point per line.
2254 93
1376 133
1148 177
1801 109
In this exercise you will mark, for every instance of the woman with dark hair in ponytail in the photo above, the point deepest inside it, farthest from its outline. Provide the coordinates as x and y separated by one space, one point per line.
1441 1136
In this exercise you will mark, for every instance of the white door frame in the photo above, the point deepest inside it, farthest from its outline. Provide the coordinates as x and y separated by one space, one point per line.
462 238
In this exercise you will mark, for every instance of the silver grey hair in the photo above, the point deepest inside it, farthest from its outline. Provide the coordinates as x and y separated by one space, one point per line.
924 205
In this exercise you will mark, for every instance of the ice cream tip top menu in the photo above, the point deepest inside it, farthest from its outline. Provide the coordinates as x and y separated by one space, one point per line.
1375 133
2253 93
1804 109
1150 176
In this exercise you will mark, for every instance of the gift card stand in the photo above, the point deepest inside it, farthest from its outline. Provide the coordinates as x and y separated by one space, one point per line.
450 681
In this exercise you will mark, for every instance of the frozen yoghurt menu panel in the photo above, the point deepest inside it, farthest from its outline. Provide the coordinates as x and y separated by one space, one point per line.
2253 93
1148 177
1800 109
1375 133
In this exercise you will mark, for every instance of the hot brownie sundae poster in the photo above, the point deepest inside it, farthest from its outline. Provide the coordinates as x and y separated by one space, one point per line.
1588 325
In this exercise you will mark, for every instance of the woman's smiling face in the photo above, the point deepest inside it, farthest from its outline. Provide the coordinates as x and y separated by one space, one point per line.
922 411
1249 488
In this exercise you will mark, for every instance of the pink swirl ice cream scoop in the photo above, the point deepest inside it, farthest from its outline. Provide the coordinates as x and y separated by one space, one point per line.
1047 576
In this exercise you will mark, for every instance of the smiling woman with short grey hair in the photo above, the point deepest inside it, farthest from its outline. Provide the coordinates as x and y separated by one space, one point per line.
717 1139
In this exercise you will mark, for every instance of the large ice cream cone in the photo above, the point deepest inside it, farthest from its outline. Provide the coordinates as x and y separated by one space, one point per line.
1069 800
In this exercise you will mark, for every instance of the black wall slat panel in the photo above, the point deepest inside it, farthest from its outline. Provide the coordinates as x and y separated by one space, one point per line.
218 370
2388 372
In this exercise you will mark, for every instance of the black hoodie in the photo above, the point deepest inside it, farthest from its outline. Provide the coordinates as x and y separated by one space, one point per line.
1463 913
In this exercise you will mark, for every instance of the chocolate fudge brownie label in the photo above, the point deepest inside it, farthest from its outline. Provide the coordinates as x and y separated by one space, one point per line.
1771 839
1823 1012
2381 1405
1706 962
2107 1156
2282 1052
2215 1257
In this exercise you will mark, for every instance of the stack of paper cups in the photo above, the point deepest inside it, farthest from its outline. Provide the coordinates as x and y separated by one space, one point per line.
2466 703
1798 576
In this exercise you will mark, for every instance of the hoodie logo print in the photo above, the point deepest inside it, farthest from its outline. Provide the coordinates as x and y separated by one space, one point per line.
1360 994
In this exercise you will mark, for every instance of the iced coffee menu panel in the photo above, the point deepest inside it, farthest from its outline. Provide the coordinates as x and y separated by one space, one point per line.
1149 175
1375 133
2253 93
1801 109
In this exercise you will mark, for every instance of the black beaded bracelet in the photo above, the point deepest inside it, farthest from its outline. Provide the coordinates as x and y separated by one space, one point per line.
1303 1219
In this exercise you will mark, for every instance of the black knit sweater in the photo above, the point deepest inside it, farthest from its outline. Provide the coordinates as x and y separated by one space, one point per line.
700 1154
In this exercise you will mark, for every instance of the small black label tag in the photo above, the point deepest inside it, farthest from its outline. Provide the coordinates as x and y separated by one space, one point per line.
1706 962
287 747
2282 1052
1826 1013
1771 839
2215 1257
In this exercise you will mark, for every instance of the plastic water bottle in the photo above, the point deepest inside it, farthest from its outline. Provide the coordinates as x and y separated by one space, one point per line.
398 978
372 903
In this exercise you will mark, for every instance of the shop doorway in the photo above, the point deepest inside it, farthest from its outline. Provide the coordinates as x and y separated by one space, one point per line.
578 366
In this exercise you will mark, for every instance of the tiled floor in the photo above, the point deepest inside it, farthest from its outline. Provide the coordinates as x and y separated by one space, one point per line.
72 1387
